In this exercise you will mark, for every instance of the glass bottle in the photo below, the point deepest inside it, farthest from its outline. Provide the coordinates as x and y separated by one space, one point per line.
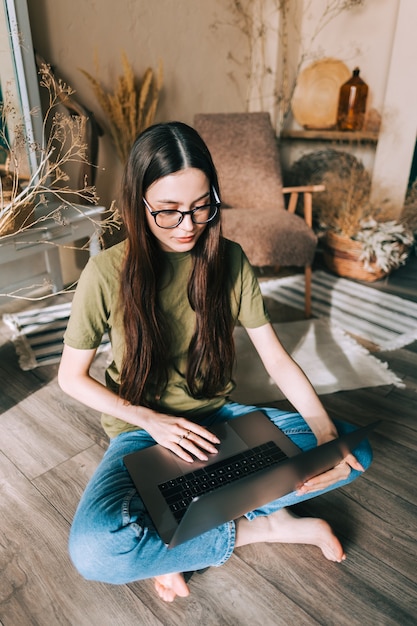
352 103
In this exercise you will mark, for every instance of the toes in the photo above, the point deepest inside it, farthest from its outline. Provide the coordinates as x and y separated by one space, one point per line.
169 586
163 592
333 551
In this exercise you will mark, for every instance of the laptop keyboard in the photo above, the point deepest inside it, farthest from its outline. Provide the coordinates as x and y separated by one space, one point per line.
180 491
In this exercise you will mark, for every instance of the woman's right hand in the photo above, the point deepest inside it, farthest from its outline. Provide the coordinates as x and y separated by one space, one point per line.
186 439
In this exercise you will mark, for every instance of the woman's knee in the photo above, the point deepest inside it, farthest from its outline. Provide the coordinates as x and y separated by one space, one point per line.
85 554
104 555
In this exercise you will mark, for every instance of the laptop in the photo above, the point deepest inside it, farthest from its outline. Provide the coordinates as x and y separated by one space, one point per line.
256 463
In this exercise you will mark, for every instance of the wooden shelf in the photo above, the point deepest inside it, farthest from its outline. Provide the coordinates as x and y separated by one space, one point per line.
344 136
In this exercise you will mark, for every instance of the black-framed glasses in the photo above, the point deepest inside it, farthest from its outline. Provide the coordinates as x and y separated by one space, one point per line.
171 218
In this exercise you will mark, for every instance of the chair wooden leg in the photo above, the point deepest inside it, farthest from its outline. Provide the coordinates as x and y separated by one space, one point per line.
307 295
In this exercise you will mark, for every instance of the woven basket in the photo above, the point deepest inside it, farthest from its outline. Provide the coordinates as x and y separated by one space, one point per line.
342 256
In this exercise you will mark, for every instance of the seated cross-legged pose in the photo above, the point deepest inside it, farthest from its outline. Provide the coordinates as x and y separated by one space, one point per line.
170 296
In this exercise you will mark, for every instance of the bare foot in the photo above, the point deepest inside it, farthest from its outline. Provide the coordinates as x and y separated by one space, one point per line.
285 527
169 586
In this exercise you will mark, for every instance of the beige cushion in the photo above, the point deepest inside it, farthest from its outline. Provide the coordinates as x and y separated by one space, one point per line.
244 150
270 237
245 153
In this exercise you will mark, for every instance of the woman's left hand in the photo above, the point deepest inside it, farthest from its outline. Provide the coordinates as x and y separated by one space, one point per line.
340 472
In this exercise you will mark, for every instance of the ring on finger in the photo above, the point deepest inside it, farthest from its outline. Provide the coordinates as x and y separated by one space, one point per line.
183 437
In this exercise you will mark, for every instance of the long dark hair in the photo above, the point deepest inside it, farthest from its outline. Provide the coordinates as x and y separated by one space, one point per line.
161 150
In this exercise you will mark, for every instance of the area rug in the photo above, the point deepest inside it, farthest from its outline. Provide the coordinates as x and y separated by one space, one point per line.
38 334
332 360
387 321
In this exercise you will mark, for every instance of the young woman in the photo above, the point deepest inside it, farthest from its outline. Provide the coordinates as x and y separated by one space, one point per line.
170 296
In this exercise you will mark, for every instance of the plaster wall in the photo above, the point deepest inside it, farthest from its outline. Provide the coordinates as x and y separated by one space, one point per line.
191 37
210 64
378 37
362 36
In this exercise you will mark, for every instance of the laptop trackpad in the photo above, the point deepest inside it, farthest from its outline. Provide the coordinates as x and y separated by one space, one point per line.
230 443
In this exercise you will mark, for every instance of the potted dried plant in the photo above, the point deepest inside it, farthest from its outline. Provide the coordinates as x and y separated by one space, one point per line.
356 242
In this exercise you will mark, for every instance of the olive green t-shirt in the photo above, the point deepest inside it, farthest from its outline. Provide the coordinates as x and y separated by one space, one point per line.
95 310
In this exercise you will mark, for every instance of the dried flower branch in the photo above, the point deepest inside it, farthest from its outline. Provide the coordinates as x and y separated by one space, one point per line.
131 107
20 196
27 201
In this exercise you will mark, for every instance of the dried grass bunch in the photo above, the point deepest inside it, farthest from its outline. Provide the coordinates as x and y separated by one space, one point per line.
130 107
345 202
344 210
21 195
409 215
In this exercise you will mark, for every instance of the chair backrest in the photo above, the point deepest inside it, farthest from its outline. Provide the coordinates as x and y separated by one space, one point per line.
245 153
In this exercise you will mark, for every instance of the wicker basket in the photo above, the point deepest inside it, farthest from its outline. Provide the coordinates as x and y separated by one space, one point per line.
342 256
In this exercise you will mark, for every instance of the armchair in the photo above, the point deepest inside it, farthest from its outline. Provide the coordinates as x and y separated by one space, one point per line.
245 153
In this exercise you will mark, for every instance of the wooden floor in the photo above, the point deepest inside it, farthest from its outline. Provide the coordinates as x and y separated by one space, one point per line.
50 445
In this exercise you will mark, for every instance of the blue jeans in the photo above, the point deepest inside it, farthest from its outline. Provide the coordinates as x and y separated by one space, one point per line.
112 537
